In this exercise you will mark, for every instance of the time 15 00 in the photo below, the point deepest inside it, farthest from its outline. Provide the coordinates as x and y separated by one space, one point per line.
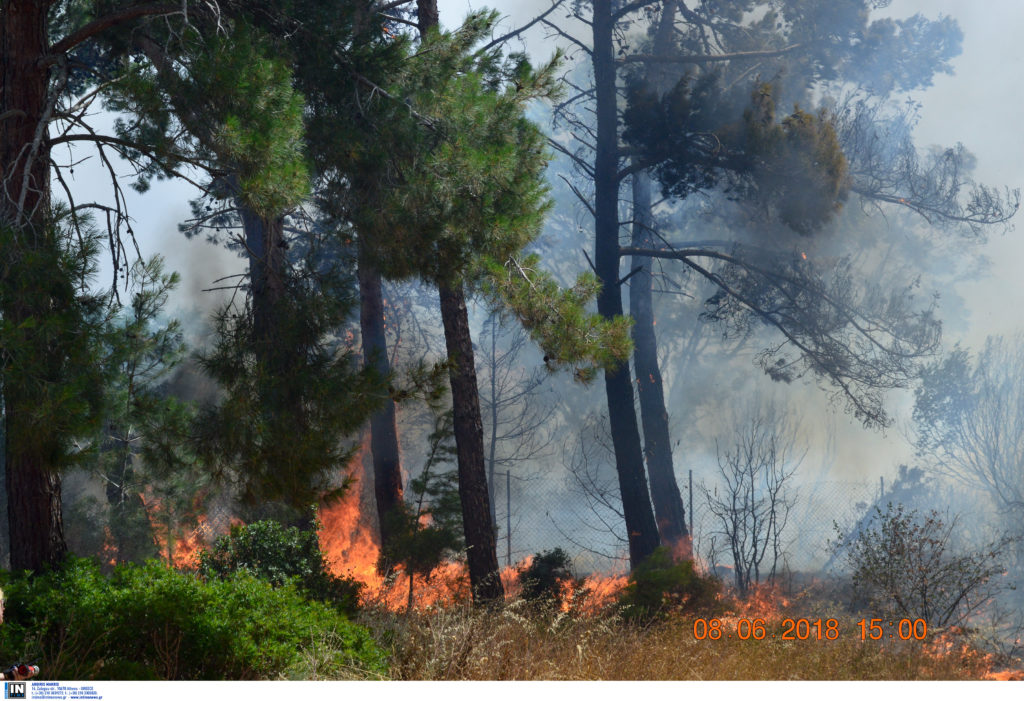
904 629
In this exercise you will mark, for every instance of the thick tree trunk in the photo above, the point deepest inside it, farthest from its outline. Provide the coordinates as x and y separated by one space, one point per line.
427 14
668 501
30 449
264 241
387 467
469 442
641 528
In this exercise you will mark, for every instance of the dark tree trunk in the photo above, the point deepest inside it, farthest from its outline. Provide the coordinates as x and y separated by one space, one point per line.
387 467
31 449
481 543
641 528
264 241
427 14
469 442
668 501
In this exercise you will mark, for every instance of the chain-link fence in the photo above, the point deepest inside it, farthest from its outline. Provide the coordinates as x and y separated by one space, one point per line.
536 515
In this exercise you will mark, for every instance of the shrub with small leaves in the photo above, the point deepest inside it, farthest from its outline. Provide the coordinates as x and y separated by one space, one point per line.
659 585
548 576
279 554
152 622
903 563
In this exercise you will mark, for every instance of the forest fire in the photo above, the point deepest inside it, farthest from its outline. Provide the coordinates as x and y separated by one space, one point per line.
349 540
179 552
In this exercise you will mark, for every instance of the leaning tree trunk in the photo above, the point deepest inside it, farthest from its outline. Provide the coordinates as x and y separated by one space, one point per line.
387 467
31 447
668 501
481 543
641 529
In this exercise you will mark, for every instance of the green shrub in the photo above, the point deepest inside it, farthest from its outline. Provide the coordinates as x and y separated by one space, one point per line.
547 577
152 622
269 551
660 584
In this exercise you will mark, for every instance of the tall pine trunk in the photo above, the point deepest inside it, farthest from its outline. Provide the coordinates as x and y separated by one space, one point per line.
641 529
31 448
481 543
668 501
387 467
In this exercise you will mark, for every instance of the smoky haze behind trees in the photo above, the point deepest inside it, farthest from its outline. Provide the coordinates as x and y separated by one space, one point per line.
971 106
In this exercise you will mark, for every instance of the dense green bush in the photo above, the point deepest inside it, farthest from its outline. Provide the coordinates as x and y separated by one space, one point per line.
548 576
152 622
279 555
660 584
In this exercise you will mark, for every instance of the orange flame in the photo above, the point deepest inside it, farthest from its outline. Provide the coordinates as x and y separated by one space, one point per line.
350 542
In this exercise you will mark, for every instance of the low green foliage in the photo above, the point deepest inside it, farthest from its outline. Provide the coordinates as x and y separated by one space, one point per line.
547 576
152 622
660 584
279 555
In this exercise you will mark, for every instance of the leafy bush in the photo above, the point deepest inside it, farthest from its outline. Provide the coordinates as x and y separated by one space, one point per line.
903 564
152 622
547 576
660 584
269 551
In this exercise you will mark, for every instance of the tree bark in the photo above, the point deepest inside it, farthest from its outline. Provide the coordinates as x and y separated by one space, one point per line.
30 449
427 15
481 544
668 501
387 466
641 529
264 241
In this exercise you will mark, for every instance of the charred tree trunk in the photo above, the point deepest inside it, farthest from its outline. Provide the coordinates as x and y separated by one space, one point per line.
481 544
387 467
668 501
641 528
31 448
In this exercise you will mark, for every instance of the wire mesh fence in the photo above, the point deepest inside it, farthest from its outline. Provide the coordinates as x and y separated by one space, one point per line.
534 517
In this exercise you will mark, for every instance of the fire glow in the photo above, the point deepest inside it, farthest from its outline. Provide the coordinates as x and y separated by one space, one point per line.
351 545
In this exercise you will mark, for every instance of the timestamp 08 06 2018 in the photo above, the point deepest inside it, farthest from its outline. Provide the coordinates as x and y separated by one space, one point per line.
807 629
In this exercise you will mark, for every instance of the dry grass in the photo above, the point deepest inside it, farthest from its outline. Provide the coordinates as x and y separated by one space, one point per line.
520 642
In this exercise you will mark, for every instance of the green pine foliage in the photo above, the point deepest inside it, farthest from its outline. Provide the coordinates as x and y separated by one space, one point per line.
144 445
430 530
52 371
258 120
279 430
557 319
230 108
458 170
